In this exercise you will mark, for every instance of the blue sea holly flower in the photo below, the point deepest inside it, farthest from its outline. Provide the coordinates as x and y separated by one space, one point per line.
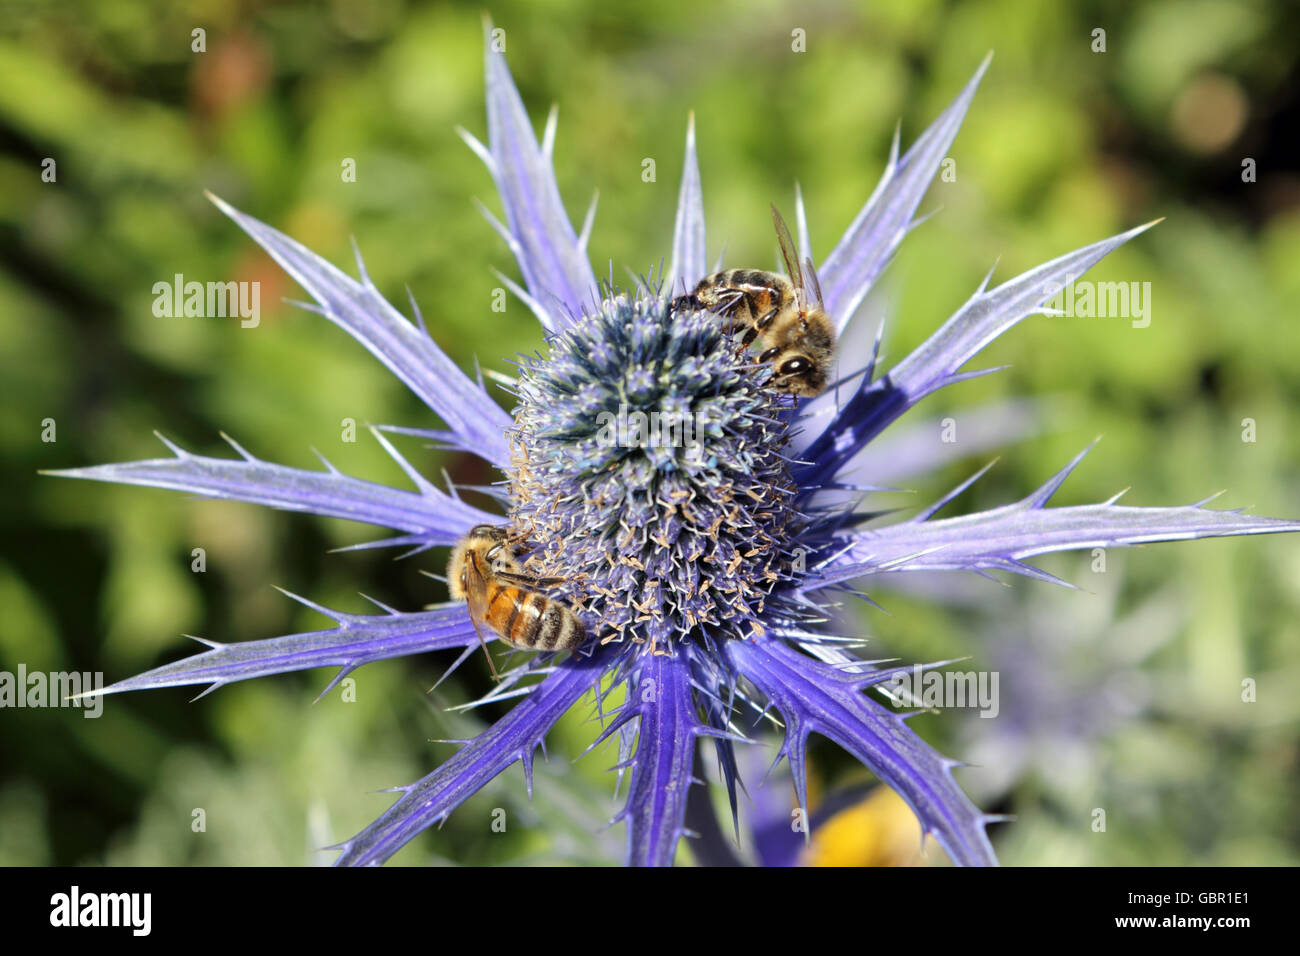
703 568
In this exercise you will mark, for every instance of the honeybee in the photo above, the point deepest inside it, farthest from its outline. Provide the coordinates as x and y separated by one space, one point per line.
485 572
797 335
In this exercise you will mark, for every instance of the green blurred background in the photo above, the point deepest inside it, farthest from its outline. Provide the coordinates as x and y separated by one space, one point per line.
1063 146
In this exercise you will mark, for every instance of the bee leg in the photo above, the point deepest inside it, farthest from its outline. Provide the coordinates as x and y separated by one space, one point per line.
527 580
521 536
765 320
749 336
549 582
488 654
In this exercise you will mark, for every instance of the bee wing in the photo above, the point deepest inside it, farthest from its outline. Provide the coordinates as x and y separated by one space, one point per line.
810 273
475 587
476 598
788 250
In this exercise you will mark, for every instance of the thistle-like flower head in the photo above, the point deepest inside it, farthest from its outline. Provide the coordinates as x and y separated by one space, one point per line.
704 565
651 471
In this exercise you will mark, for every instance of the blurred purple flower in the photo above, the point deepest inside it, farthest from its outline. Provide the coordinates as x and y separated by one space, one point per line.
707 576
1068 683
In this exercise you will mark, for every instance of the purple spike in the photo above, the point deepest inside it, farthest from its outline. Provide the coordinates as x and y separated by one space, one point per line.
417 479
665 749
320 609
688 262
239 449
874 236
358 640
435 517
431 799
910 450
812 697
1044 494
1003 537
984 317
927 513
956 378
356 307
557 272
588 222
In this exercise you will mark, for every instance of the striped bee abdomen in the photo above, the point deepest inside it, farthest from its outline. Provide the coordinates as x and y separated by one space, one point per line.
531 620
486 573
560 629
503 603
743 294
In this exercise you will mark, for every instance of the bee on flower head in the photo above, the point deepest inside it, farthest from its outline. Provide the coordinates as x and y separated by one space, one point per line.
486 573
797 335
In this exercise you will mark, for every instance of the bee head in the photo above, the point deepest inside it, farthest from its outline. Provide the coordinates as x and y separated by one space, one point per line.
800 375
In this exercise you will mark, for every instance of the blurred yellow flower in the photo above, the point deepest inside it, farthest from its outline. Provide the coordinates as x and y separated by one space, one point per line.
881 830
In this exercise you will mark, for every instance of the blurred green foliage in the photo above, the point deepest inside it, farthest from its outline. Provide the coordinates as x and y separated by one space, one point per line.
1063 146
